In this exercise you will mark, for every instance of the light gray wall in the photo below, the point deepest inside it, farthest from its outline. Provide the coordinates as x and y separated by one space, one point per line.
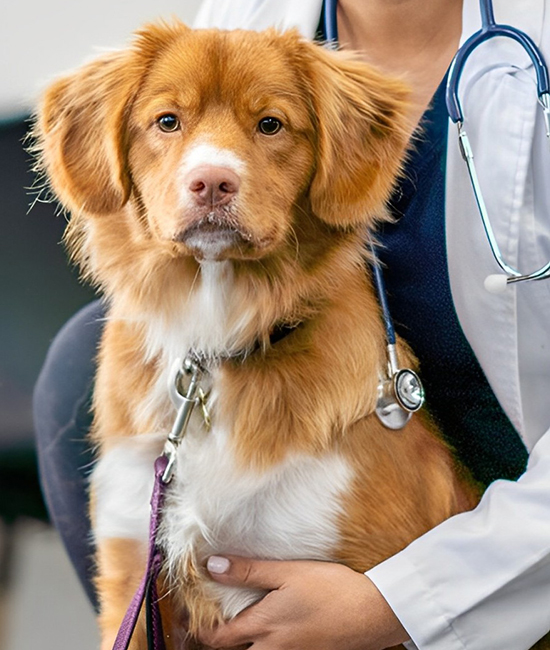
41 38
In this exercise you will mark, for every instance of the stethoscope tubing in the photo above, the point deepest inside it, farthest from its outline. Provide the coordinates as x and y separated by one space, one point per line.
330 21
400 392
490 29
380 285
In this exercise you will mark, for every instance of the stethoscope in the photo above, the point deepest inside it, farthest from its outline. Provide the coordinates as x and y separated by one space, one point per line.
401 393
490 29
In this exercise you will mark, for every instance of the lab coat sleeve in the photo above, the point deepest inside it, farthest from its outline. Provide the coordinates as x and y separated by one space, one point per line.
480 580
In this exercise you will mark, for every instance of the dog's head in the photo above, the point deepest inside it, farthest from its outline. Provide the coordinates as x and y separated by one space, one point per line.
221 140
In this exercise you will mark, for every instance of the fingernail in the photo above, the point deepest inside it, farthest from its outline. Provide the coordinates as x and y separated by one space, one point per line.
218 564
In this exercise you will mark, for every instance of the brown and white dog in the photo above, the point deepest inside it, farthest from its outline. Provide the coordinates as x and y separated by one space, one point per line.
221 185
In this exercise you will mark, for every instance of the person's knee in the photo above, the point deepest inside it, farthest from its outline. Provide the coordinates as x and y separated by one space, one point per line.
67 373
62 418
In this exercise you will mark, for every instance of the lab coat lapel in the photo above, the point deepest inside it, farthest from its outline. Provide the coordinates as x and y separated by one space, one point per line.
501 140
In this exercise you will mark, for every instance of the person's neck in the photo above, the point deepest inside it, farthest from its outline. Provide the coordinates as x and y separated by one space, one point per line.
414 39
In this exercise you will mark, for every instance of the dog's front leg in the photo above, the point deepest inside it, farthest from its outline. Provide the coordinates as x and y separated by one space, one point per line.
121 486
120 566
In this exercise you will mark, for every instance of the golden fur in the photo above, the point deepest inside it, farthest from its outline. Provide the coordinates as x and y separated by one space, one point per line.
305 207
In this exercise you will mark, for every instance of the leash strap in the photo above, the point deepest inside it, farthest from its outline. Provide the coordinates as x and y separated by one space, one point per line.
147 590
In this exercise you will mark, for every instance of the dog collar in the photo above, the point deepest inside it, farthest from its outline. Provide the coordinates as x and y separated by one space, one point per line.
207 361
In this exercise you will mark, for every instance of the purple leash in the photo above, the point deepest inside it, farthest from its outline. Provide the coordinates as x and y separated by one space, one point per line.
147 590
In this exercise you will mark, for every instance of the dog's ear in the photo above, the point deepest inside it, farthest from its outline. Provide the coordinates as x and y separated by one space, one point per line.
362 134
80 134
80 130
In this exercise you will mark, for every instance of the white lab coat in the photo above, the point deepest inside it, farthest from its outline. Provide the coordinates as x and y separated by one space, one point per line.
481 580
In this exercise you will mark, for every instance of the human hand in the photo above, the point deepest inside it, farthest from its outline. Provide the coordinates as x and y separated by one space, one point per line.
310 605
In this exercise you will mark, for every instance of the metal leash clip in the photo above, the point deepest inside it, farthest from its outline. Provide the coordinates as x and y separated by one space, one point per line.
185 401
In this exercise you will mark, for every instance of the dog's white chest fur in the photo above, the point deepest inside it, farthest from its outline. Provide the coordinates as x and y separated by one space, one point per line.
289 512
205 320
212 507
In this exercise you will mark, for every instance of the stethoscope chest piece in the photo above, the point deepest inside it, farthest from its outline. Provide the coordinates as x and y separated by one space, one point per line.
398 398
408 390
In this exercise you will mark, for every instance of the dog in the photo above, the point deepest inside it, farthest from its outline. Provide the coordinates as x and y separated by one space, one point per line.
221 186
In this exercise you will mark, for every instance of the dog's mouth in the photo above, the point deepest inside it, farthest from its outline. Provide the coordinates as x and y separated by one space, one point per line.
215 238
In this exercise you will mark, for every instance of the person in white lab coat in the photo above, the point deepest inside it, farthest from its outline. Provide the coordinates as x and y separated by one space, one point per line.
481 580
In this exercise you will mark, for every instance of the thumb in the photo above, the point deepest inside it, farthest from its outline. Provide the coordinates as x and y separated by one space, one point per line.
244 572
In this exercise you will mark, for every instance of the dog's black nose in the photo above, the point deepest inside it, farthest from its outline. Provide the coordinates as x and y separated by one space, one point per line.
213 186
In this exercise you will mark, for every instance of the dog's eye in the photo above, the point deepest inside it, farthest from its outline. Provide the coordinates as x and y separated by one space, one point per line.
168 122
270 125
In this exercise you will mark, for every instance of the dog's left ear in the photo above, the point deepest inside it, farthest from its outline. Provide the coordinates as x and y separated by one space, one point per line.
362 135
